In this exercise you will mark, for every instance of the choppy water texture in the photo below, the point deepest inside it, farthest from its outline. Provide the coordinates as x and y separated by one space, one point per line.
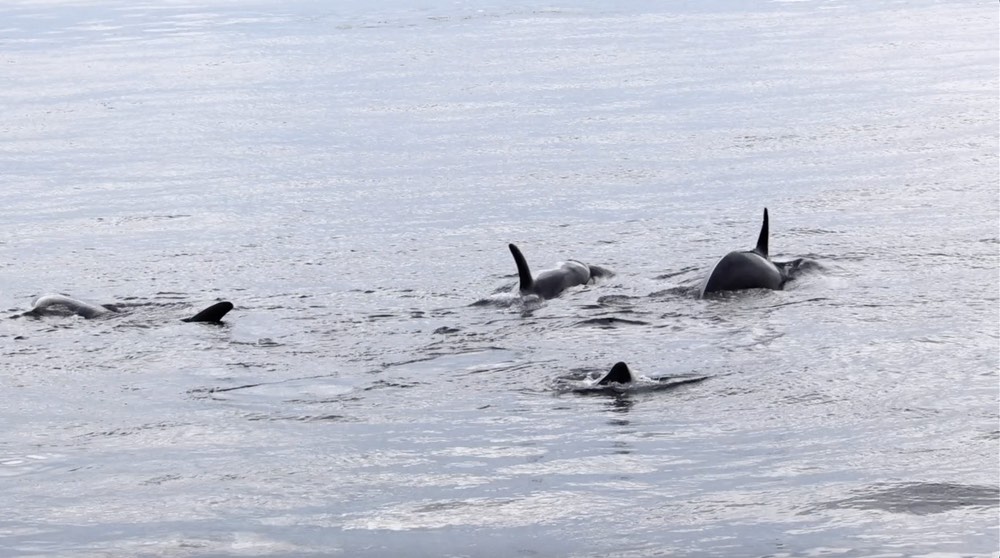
350 174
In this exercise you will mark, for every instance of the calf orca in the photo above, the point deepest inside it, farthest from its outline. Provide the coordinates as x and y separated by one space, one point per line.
552 282
750 269
62 304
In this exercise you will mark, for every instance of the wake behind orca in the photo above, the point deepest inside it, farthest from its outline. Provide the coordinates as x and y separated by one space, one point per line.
751 269
552 282
62 305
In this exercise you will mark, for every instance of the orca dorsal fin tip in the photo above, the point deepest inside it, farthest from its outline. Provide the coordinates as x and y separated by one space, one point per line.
761 247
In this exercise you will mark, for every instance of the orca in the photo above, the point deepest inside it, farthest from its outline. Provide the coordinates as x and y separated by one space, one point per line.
622 380
619 374
63 305
57 304
213 314
751 269
552 282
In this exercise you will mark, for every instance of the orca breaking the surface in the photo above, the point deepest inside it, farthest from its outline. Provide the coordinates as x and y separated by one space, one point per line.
619 374
552 282
61 304
750 269
621 380
212 314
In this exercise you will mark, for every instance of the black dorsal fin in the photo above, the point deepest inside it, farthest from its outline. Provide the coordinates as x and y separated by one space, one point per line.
212 314
762 239
619 374
523 271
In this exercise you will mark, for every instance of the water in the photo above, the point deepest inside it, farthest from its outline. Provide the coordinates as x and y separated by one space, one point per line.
349 176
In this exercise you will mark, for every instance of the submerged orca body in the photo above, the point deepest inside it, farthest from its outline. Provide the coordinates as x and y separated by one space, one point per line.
552 282
748 270
57 304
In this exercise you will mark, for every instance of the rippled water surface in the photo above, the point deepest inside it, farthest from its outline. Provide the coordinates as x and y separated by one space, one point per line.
350 174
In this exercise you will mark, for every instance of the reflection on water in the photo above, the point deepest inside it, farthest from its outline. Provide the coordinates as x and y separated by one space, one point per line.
921 498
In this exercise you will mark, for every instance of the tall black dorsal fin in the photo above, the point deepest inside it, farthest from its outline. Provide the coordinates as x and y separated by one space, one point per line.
212 314
762 239
523 271
619 374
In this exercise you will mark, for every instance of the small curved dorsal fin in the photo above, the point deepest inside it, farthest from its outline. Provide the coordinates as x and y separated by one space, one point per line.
619 374
523 271
212 314
762 239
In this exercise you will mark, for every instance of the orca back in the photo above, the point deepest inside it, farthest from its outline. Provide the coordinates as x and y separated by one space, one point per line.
743 270
751 269
552 282
56 303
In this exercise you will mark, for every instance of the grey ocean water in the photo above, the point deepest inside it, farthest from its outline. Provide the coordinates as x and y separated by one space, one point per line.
349 174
